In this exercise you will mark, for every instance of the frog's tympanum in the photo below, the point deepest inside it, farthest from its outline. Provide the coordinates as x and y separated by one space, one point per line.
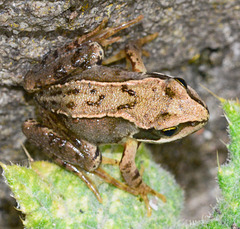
83 104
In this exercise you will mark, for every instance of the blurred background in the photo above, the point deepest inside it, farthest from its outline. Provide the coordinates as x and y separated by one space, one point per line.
198 41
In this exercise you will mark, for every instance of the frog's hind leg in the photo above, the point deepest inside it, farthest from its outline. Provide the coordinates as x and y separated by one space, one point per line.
59 149
80 174
102 35
111 180
88 36
133 53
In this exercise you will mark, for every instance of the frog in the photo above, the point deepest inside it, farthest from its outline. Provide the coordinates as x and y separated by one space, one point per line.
84 103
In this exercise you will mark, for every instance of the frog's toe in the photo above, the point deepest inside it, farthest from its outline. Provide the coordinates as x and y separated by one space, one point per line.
144 191
159 195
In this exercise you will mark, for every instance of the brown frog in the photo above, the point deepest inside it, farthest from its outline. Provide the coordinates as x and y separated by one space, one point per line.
83 104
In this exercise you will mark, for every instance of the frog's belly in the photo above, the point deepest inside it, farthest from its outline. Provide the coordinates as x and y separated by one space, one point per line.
100 130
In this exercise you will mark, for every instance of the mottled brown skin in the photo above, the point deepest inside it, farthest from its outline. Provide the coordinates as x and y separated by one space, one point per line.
83 104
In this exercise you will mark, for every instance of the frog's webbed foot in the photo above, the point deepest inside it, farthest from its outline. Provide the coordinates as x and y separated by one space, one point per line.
61 151
133 53
143 190
134 183
111 180
102 35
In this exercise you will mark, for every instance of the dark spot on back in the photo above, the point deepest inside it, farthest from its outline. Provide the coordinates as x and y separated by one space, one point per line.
101 97
98 102
89 103
93 91
165 116
169 92
127 105
164 113
74 91
53 102
129 91
70 105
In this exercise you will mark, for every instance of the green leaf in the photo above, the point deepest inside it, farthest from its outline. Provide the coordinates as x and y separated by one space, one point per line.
227 211
51 197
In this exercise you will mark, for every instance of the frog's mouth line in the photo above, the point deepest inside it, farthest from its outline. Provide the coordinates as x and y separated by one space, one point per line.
160 136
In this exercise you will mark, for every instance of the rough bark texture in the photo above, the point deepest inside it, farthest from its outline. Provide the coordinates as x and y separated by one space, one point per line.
198 40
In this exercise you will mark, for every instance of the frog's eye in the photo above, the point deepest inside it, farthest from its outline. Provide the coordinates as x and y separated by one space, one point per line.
169 131
181 81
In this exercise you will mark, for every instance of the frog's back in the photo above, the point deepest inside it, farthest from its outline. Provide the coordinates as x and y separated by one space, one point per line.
147 102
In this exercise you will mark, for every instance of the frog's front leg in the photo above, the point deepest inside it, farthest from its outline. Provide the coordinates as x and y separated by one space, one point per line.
65 153
132 176
134 56
133 53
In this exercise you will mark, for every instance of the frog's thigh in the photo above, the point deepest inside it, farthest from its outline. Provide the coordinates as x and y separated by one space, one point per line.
85 155
58 149
127 164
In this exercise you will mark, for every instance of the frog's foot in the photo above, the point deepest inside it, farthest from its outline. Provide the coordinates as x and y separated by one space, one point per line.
143 190
111 180
101 34
133 52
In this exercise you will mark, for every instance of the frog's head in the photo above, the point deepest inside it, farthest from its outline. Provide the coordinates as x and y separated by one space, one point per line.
181 112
